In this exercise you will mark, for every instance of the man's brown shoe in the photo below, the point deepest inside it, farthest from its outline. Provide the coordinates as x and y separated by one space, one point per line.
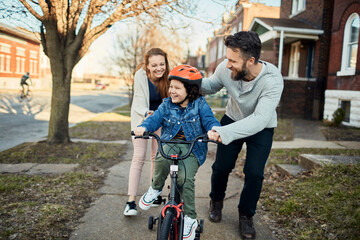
246 225
215 210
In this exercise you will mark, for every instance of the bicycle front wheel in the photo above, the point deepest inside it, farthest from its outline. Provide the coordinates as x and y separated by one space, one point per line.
167 230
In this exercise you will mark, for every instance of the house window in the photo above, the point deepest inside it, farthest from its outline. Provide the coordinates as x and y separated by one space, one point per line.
20 51
6 48
294 60
20 65
350 45
33 54
345 105
5 63
35 67
31 66
298 6
2 62
7 66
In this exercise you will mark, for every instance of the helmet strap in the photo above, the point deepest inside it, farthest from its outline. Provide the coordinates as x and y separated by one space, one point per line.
182 101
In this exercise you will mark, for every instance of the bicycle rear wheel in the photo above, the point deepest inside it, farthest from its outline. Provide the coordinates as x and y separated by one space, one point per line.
167 230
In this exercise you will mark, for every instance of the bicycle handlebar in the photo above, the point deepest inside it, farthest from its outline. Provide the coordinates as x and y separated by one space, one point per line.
201 138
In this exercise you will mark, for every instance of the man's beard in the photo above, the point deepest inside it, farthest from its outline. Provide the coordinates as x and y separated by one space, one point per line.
239 75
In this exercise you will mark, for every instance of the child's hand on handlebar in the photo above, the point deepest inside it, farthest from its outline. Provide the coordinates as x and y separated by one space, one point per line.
214 135
139 131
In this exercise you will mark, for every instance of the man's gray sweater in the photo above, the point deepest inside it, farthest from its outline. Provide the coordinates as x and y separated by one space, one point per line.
253 109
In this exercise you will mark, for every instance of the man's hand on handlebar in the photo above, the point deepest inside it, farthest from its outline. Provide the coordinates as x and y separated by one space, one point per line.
139 131
213 135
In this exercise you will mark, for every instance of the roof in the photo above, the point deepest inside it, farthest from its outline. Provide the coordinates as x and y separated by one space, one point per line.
21 33
289 30
282 24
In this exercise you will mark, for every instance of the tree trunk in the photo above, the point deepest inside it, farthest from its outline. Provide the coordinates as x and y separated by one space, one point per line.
60 104
62 64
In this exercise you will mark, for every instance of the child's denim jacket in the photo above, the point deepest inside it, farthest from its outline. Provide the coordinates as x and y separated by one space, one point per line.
196 119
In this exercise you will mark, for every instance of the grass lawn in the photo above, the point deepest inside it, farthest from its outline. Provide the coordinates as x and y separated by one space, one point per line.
320 204
323 204
105 126
49 207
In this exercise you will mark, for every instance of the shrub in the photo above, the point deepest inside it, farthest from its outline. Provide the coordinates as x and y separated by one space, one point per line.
338 116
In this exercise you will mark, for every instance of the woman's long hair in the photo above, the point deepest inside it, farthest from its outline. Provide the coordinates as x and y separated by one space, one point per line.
163 85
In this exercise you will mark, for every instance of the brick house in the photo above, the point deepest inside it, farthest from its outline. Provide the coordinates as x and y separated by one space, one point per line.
235 21
343 80
19 53
319 68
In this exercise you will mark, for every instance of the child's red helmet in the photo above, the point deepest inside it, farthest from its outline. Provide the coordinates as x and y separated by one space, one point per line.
186 73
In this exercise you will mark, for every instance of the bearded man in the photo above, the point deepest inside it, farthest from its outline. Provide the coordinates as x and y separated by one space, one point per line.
255 88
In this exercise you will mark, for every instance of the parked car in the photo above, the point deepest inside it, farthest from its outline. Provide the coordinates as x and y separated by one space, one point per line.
100 86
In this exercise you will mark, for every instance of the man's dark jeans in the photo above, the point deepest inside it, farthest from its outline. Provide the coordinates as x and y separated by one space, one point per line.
257 152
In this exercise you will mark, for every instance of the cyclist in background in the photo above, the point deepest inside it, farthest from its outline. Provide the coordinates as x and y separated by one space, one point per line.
23 82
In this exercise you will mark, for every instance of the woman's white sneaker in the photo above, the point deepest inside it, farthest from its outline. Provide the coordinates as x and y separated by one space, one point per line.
130 209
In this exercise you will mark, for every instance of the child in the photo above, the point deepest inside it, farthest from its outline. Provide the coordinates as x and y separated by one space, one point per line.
183 115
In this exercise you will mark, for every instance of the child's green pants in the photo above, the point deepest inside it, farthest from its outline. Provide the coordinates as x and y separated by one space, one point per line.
187 171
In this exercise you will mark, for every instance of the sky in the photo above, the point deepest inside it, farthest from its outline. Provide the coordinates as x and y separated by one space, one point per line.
207 10
199 32
213 11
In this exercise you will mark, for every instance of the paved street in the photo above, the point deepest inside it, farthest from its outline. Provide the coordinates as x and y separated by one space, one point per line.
28 121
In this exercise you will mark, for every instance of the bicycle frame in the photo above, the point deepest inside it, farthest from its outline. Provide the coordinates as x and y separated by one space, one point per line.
174 205
25 93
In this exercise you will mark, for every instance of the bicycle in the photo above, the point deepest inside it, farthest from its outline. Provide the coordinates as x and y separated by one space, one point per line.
170 222
25 95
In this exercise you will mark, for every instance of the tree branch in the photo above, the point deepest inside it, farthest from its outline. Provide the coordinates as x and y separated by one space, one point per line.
76 9
198 19
43 39
32 11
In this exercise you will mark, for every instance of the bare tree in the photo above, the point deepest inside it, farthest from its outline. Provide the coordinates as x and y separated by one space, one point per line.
67 30
129 48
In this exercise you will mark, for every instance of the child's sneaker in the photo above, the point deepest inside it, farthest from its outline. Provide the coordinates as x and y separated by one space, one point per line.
190 226
157 202
148 198
130 209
